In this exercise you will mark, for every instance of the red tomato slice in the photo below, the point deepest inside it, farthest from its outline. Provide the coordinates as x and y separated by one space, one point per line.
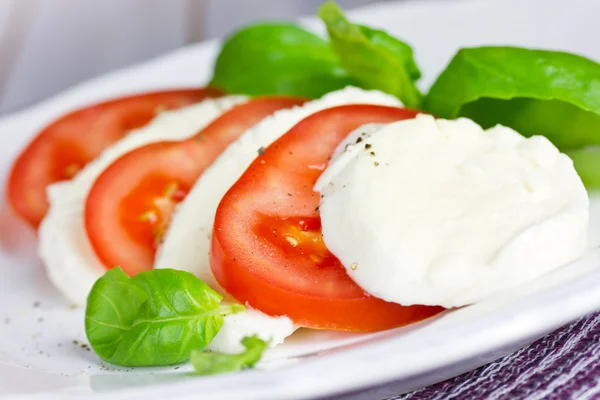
131 202
267 248
65 146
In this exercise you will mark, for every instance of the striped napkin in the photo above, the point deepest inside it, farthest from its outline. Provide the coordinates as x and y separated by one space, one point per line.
562 365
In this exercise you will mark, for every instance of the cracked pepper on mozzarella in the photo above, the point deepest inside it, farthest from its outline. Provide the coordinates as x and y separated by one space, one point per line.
187 241
440 212
64 247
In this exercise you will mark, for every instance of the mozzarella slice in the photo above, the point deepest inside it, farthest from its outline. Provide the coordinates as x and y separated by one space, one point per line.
64 247
248 323
444 213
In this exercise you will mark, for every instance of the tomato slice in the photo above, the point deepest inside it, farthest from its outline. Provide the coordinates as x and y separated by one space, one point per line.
65 146
130 204
267 248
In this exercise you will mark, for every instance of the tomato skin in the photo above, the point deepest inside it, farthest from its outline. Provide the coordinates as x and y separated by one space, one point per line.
63 147
256 269
135 184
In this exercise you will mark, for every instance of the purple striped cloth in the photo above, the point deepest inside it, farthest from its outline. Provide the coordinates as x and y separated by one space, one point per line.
562 365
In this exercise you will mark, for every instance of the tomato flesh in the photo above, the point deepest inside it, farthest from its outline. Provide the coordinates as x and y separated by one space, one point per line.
130 205
266 245
148 208
65 146
301 241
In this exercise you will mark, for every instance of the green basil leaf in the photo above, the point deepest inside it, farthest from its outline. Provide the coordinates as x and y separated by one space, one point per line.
533 91
400 49
587 164
155 318
278 58
374 58
112 306
206 363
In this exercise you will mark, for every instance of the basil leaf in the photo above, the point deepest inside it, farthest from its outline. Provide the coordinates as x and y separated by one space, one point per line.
400 49
278 58
155 318
213 363
533 91
587 164
374 58
112 306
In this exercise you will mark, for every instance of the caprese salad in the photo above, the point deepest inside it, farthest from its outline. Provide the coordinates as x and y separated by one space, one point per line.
311 184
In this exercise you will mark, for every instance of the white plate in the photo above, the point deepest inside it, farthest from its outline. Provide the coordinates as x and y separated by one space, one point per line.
39 358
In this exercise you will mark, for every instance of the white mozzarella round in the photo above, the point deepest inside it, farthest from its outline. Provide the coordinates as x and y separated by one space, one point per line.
440 212
70 260
249 323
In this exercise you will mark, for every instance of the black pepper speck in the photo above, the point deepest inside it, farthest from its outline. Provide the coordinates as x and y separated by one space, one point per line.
261 151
